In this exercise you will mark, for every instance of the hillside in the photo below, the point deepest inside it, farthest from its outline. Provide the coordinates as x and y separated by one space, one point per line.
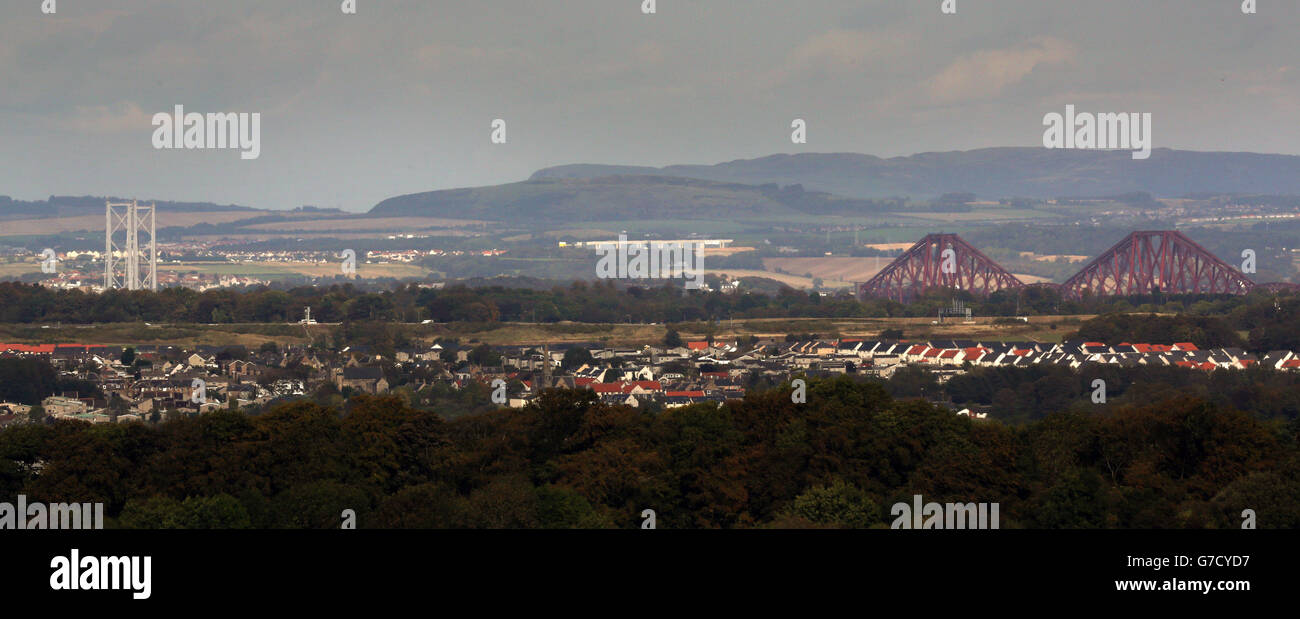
992 173
611 198
75 206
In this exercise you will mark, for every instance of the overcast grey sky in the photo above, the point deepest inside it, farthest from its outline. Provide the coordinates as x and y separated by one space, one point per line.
399 98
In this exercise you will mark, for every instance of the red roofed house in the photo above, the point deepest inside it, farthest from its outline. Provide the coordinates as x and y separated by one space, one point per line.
915 353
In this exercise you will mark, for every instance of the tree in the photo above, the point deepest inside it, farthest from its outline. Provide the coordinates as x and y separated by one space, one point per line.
128 357
318 505
838 504
426 506
162 512
672 339
509 503
559 507
576 357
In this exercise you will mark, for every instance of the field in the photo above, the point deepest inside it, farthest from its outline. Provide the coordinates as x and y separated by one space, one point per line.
793 281
95 223
373 224
980 214
1039 328
829 269
1054 257
17 269
125 334
890 246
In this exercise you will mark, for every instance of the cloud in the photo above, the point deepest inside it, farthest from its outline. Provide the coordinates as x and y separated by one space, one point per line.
985 74
838 52
123 116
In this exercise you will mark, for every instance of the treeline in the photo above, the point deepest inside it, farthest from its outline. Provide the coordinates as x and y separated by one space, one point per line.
598 302
1270 320
1270 324
1019 395
569 461
1204 331
28 381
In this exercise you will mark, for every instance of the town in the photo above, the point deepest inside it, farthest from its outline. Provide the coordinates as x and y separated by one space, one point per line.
150 383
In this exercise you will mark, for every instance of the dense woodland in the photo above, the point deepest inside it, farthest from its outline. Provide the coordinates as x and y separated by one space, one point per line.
840 460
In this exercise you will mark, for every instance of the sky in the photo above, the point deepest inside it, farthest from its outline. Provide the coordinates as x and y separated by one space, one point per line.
400 97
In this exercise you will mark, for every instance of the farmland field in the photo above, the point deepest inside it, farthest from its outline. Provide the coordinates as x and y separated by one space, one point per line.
793 281
353 223
831 268
95 223
1039 328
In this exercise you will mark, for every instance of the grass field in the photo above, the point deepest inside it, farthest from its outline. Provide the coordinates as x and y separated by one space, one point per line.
385 224
55 225
17 269
981 214
126 334
830 268
794 281
1039 328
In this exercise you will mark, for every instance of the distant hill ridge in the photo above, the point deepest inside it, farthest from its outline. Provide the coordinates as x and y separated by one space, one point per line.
71 206
619 197
990 173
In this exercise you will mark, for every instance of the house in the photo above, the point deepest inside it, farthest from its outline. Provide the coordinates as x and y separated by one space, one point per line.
60 406
369 379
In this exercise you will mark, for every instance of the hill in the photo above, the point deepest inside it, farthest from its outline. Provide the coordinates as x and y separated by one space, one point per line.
612 198
76 206
991 173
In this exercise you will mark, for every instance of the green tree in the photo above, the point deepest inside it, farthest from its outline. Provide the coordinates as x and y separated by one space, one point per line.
837 505
672 339
576 357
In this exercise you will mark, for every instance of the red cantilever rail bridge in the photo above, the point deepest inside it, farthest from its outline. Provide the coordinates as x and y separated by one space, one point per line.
1143 262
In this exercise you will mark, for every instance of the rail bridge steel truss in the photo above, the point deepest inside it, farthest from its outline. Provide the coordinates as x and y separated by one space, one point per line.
1156 260
921 268
1143 262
